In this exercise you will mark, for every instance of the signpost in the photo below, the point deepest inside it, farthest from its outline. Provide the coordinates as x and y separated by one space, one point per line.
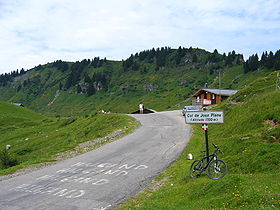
204 118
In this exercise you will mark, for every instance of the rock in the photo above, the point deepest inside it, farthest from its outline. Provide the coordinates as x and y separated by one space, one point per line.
150 87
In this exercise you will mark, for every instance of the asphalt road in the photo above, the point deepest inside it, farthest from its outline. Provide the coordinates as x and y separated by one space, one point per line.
105 177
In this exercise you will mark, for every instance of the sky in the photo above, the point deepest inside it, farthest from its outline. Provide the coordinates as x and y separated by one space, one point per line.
34 32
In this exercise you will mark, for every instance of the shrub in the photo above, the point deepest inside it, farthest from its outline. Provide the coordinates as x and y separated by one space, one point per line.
6 160
67 122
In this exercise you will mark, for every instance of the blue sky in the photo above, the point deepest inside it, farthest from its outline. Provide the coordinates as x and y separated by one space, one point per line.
36 32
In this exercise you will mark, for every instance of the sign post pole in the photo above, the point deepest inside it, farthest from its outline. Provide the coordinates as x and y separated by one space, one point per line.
205 128
207 146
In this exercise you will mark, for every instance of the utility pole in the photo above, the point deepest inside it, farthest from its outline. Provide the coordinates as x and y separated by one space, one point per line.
220 87
220 80
278 81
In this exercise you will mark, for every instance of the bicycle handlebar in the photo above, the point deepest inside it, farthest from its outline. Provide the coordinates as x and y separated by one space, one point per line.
217 148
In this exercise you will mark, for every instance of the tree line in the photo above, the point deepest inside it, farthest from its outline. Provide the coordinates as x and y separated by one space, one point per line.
165 56
157 56
90 86
8 77
77 71
64 66
269 60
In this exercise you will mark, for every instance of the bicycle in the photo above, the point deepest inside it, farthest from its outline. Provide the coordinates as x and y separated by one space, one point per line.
216 168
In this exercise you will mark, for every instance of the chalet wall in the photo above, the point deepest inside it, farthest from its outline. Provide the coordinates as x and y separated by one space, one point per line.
215 99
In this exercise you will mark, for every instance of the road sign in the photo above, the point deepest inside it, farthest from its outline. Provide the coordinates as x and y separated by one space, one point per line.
204 127
204 117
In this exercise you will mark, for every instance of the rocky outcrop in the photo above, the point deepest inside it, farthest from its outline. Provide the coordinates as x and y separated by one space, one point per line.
150 87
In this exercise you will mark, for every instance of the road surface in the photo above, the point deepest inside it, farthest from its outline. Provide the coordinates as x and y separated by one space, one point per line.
105 177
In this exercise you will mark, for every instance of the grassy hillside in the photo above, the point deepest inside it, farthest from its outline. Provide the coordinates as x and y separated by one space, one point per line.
12 116
250 140
35 138
160 78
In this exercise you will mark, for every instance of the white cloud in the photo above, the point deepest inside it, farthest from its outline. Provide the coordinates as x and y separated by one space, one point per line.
35 32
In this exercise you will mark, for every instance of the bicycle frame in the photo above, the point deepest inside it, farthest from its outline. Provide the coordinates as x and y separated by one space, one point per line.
208 159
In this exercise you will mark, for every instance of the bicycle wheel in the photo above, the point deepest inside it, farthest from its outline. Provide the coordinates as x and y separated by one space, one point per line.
196 168
217 169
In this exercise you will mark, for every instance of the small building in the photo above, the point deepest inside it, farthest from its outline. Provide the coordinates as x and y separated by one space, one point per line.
208 96
145 111
18 104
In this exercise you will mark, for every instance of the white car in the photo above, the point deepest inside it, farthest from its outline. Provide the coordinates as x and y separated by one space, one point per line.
189 109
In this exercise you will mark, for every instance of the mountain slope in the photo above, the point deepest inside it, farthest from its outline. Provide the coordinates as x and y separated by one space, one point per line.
159 78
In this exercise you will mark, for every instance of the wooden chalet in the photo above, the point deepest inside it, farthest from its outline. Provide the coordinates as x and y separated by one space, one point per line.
208 96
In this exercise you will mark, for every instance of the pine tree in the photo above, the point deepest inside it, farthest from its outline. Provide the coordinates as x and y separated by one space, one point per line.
255 62
87 78
252 64
22 71
19 88
60 86
263 58
270 61
79 89
91 89
194 58
276 65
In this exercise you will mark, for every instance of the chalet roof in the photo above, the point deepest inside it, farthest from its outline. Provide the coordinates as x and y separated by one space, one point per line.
223 92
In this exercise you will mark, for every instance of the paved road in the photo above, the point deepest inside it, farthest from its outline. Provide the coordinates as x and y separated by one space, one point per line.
105 177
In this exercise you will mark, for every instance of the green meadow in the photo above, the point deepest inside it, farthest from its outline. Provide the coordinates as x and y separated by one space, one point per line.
35 138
